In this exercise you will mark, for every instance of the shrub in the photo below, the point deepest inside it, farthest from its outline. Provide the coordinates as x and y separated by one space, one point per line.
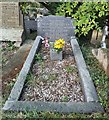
87 15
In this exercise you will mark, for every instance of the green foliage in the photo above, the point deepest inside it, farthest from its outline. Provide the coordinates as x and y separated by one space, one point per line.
38 57
90 15
67 8
30 79
51 6
87 15
28 6
11 46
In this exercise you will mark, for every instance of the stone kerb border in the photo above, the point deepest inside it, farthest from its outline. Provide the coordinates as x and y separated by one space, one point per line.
90 105
86 82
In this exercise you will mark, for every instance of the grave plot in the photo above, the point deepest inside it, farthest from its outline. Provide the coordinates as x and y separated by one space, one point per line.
58 86
89 105
55 81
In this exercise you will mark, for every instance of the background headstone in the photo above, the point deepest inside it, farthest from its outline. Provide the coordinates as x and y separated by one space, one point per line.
96 37
10 14
102 55
11 20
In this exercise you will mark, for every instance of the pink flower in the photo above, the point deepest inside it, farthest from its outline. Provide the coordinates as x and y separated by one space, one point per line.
47 45
46 42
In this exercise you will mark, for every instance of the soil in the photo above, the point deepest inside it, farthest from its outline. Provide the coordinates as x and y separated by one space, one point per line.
54 81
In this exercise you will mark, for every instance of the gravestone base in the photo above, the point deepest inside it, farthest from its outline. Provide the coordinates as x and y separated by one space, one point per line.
54 55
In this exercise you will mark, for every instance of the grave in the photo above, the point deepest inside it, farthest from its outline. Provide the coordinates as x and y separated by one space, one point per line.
91 103
11 20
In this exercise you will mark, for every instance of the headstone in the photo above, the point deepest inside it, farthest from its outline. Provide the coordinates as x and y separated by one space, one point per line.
102 55
55 27
10 14
30 24
96 37
11 22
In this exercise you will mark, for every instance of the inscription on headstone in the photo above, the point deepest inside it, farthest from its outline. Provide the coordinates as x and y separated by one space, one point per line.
55 27
10 14
11 22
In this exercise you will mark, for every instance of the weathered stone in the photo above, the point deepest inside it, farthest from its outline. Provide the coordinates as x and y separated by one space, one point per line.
102 55
11 22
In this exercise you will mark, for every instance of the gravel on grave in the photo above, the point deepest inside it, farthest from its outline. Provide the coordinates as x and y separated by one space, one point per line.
54 81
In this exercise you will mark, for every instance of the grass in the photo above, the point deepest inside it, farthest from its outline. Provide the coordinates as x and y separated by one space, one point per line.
101 82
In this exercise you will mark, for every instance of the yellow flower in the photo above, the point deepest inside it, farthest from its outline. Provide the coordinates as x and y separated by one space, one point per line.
62 41
58 44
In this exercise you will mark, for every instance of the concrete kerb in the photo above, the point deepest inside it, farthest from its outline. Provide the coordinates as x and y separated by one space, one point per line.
86 81
91 104
18 86
60 107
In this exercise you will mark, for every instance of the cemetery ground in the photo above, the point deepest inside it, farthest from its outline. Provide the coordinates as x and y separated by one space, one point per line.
101 82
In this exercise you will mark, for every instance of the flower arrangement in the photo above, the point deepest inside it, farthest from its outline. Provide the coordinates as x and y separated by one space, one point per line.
46 42
57 45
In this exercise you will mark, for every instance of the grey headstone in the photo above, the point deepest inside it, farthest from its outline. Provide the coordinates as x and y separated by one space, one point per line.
30 24
55 27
